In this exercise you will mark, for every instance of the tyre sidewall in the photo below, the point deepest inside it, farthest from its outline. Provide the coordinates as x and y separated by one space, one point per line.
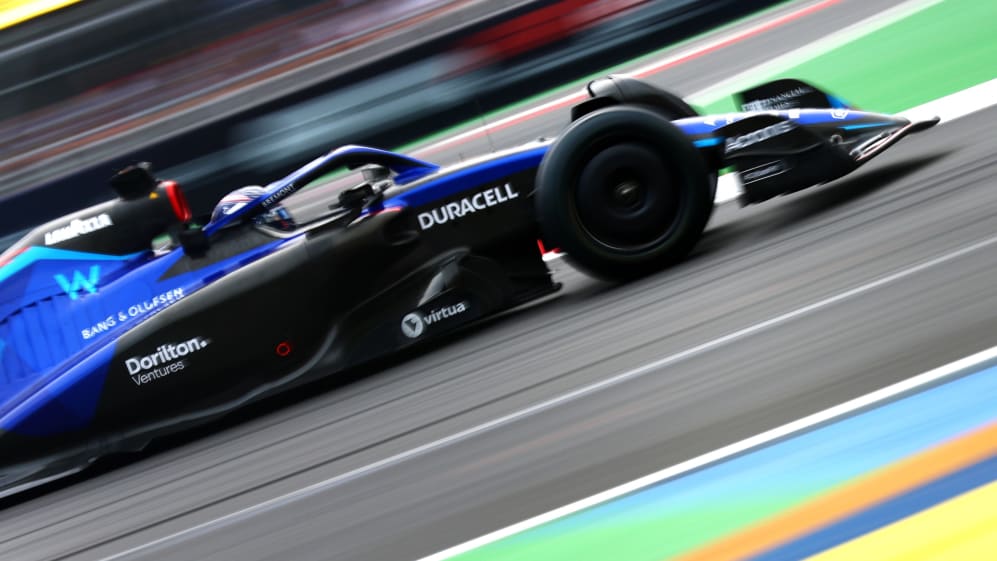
558 182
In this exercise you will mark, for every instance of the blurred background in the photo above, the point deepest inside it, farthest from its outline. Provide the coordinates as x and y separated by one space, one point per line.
221 93
785 309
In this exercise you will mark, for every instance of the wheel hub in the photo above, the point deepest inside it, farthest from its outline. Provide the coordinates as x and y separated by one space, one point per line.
627 194
625 197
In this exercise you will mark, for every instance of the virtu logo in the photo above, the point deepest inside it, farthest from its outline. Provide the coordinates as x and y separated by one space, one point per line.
415 323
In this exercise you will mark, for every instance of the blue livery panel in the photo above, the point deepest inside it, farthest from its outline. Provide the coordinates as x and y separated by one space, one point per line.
60 313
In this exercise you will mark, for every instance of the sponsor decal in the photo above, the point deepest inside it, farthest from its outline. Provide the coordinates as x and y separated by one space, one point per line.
785 100
763 171
276 197
468 205
760 135
151 305
722 120
101 326
78 227
414 324
80 282
839 114
168 359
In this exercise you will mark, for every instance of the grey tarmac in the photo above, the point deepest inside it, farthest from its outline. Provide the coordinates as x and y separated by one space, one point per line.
932 195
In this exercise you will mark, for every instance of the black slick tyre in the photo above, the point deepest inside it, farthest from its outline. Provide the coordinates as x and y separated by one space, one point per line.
623 192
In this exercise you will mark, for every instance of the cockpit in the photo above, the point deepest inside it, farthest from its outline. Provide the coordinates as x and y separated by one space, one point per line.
349 191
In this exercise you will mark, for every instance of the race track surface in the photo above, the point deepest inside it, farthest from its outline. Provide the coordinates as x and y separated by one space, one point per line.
378 495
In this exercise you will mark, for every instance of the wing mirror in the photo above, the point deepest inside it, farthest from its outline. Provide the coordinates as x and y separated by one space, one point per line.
355 198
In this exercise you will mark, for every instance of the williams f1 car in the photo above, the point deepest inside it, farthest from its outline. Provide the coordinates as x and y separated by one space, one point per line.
125 320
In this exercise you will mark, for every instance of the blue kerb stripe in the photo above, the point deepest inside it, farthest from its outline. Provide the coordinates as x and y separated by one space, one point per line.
887 512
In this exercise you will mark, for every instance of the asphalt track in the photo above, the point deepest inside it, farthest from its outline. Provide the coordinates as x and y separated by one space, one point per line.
933 197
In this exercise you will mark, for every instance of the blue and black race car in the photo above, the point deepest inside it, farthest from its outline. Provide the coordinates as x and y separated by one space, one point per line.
125 321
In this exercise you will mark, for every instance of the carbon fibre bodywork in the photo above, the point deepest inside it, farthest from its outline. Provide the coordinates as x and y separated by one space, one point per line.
104 346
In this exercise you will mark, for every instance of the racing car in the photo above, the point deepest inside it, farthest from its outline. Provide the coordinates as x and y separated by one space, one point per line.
126 320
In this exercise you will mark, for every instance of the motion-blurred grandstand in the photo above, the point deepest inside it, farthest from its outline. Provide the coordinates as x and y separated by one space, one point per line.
223 92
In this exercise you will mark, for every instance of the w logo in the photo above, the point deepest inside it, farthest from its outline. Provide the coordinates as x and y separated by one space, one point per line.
80 282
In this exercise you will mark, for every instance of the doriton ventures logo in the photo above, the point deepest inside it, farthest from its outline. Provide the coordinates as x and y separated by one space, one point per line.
415 323
168 359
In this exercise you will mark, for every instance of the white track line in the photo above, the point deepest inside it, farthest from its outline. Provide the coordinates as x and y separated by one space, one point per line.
727 452
629 375
755 75
738 82
957 105
949 108
983 95
683 53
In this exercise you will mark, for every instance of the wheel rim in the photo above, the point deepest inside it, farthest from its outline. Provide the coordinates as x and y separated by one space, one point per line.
626 198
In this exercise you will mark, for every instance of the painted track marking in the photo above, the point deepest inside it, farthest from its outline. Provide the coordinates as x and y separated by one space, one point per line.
956 105
326 484
795 57
721 89
837 412
683 56
756 441
740 81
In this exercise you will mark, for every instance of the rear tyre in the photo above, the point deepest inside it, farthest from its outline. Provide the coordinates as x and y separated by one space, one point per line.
623 192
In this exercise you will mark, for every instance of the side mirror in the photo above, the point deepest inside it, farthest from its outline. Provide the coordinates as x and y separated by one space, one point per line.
355 198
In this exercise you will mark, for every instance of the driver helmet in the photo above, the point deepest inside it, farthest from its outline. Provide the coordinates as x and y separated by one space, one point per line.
276 217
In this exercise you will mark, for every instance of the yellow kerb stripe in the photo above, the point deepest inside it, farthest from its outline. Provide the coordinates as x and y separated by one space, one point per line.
13 12
963 528
891 481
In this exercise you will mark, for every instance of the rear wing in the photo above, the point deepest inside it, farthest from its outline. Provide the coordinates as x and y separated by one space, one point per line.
787 93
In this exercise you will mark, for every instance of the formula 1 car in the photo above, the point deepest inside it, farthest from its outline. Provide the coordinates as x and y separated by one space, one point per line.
125 320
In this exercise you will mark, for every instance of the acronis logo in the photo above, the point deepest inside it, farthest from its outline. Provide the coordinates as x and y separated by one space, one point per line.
80 282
